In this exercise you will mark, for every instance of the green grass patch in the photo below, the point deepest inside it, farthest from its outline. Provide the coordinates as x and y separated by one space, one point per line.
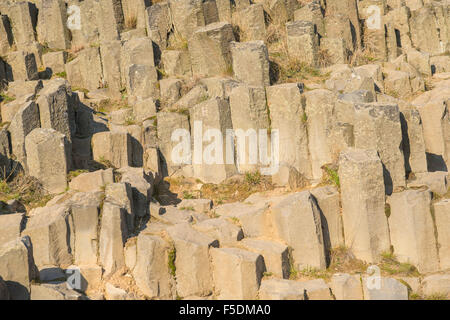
188 195
315 273
437 296
61 75
73 174
187 208
5 98
85 91
391 266
171 261
105 163
304 118
26 189
331 175
253 178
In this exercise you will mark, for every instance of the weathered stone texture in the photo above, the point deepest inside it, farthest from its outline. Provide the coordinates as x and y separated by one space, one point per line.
362 193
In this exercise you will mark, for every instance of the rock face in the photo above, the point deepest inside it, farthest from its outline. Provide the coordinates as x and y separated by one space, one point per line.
318 110
437 284
363 210
53 292
11 225
275 254
17 278
151 272
53 12
286 115
246 267
410 221
441 214
47 229
92 181
114 147
209 49
330 213
346 287
299 212
248 112
389 289
48 158
251 63
85 71
224 149
188 15
413 142
432 107
23 66
113 234
374 123
55 107
25 120
86 242
166 120
302 41
281 290
251 21
192 260
212 165
4 293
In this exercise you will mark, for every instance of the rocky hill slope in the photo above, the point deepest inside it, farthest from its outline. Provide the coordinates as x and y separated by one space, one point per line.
224 149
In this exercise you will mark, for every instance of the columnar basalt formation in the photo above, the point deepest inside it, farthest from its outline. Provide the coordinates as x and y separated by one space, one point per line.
224 149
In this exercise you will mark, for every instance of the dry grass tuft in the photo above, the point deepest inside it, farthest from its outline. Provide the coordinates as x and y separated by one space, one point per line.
109 105
72 53
122 279
177 42
390 266
26 189
290 70
237 188
343 260
75 173
285 69
437 296
369 53
330 175
130 23
274 35
362 57
324 58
